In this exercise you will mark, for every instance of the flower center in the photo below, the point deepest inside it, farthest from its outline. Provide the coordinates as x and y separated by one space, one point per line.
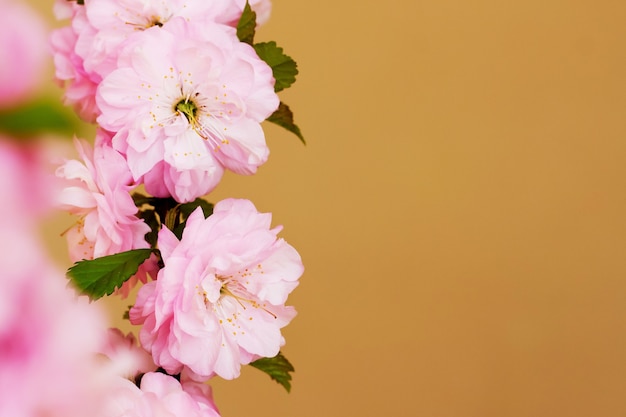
189 109
156 21
233 288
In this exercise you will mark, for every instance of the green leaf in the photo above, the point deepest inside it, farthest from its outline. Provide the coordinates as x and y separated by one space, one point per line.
37 117
187 208
277 368
101 276
284 68
161 205
140 199
284 117
184 210
247 25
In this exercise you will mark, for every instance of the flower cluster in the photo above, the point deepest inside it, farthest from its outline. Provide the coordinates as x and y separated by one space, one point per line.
219 301
181 94
178 90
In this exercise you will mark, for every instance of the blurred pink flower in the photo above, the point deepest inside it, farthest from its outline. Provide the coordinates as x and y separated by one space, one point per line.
25 178
23 51
219 301
47 339
47 336
160 395
185 103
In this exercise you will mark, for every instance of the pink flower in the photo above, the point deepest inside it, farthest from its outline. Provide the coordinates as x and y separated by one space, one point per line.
80 86
110 23
185 103
88 50
99 192
219 301
160 395
23 51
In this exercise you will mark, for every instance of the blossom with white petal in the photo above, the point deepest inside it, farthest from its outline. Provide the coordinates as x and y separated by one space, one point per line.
87 50
219 301
187 102
98 191
80 84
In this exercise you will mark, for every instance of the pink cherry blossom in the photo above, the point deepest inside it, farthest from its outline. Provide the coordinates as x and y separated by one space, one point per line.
219 301
80 86
88 49
160 395
23 51
110 23
185 103
98 191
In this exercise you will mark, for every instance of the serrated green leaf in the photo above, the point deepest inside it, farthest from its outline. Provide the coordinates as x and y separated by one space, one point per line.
283 117
283 67
277 368
247 25
37 117
101 276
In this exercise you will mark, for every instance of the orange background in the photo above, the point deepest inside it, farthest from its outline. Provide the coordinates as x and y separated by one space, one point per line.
460 208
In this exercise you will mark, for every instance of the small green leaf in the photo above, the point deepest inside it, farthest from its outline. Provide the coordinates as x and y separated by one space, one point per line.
140 199
283 116
184 210
187 208
283 67
161 205
37 117
246 25
101 276
277 368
